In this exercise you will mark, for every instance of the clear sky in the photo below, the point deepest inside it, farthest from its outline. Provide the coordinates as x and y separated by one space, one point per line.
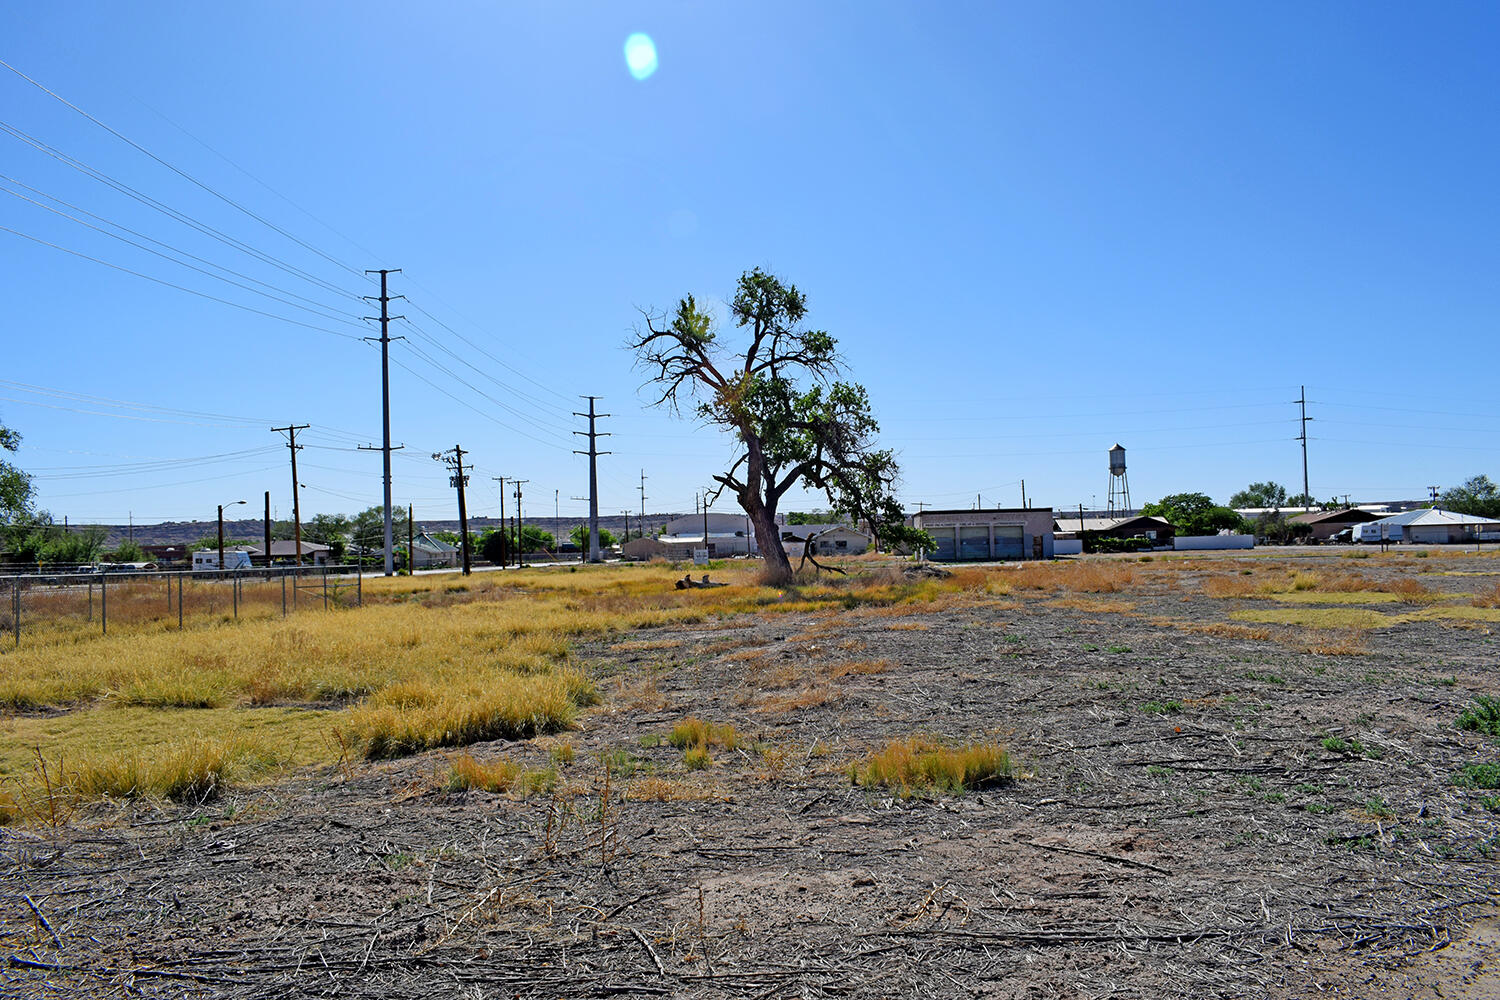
1035 229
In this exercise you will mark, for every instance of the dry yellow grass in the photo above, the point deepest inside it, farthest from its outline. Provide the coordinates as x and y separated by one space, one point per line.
499 775
919 763
694 732
656 789
855 667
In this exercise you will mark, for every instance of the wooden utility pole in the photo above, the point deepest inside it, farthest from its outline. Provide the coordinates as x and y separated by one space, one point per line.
291 431
385 402
643 504
593 453
411 538
454 459
504 529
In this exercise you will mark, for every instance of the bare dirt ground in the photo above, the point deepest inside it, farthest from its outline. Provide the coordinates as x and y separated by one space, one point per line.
1182 830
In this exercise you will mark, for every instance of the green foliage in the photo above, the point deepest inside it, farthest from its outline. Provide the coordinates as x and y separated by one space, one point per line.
16 490
1483 716
795 423
331 530
41 541
1478 776
1267 494
1094 541
809 517
1194 514
580 537
128 552
1477 496
367 528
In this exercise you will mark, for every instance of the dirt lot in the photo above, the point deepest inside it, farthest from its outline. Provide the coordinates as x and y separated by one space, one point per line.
1210 807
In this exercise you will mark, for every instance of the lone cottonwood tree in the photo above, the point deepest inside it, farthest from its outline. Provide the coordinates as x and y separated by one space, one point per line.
796 423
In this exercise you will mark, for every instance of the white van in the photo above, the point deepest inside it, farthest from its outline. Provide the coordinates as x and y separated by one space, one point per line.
207 560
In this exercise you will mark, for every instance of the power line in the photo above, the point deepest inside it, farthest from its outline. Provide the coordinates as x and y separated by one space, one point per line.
172 213
167 246
181 173
180 288
192 267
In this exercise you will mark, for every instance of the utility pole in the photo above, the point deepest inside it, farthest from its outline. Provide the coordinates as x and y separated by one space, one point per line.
1023 494
504 528
454 459
268 529
705 522
520 522
643 504
291 432
385 402
556 524
1434 491
411 538
593 453
1302 402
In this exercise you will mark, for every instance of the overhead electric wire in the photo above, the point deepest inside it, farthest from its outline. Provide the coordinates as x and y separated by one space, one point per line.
172 213
421 378
180 288
519 414
349 319
57 472
504 385
417 306
181 173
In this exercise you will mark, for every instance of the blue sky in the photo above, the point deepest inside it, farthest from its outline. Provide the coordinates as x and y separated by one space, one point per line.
1035 229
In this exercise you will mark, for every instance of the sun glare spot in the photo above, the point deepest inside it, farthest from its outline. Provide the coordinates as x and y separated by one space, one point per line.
640 55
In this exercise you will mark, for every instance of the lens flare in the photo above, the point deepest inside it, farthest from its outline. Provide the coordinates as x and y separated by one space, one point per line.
640 55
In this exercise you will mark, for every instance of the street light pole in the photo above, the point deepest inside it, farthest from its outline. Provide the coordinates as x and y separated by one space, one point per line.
221 532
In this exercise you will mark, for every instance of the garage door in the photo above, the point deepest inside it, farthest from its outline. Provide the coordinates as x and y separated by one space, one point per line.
974 543
1010 541
944 538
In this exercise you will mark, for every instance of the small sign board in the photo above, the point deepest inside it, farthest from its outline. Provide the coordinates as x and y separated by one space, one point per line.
700 557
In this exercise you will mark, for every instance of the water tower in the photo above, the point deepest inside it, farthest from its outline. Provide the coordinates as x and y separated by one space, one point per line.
1119 485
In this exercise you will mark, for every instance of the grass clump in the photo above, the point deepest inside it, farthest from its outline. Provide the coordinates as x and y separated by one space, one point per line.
498 776
919 764
194 770
697 757
1481 716
694 732
414 719
1161 707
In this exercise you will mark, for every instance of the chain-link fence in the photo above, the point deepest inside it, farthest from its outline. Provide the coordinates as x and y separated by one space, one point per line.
84 602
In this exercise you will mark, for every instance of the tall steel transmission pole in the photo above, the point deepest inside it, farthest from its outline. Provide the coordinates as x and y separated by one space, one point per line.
291 431
1302 402
593 453
385 403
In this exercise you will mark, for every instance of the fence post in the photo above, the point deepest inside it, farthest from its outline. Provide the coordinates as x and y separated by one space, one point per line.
325 586
234 591
16 618
359 584
91 600
283 593
179 598
103 606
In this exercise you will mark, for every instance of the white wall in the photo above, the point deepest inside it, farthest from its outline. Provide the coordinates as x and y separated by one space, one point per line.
1184 543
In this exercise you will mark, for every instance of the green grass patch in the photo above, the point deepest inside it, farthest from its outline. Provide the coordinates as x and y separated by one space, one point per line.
1482 715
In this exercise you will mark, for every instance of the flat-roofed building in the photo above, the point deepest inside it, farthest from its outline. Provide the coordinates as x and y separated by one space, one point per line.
988 535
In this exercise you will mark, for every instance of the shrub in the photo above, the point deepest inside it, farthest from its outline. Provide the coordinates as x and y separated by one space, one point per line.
1482 716
1478 776
920 763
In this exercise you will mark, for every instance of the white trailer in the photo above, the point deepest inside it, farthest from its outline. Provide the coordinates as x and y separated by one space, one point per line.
207 560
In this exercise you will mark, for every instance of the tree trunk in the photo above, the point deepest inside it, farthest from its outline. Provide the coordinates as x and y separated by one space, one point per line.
768 537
